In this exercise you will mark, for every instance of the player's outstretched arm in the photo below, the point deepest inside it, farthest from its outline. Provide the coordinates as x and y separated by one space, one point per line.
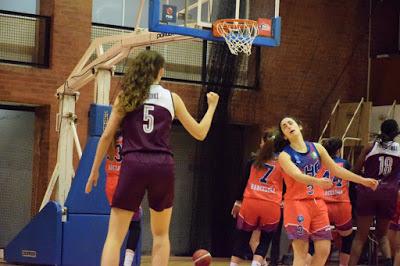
104 143
343 173
197 130
291 169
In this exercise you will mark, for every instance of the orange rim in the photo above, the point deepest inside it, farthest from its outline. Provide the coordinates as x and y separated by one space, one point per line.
232 23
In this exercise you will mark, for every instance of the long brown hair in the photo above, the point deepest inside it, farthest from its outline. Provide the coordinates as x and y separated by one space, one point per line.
142 72
266 152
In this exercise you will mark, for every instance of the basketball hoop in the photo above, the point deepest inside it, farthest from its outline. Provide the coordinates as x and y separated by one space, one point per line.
239 34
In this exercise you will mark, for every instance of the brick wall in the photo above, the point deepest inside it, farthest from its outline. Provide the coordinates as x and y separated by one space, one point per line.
322 57
385 27
385 80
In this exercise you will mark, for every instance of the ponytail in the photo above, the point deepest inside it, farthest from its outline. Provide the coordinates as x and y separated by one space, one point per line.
267 150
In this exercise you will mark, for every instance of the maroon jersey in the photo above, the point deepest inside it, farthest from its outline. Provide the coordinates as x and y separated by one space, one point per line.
383 163
147 128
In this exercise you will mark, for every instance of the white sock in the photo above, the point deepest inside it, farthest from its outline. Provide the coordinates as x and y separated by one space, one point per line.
255 263
129 255
233 264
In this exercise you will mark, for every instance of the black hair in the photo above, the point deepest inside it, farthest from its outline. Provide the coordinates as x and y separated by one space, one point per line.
332 145
389 130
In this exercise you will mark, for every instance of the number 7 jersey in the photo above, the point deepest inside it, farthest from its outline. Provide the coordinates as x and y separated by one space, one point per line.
148 127
265 183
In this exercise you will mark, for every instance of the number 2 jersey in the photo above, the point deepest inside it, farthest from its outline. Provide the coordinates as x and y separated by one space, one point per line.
265 183
147 128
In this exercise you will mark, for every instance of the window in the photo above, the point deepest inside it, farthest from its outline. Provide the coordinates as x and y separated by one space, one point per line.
22 6
119 12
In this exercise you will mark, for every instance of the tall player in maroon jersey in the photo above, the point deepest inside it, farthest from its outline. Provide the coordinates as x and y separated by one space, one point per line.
380 160
144 111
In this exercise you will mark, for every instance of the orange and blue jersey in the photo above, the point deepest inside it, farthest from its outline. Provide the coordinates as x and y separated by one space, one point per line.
340 189
309 163
265 183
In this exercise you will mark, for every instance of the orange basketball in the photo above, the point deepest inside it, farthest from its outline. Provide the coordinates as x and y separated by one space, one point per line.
201 257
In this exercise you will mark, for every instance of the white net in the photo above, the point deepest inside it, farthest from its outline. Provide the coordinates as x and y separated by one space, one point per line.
239 34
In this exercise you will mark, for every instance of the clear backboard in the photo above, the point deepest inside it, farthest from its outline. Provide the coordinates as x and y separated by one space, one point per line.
195 18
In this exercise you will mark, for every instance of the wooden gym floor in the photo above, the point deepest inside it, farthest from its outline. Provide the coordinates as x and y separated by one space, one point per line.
186 261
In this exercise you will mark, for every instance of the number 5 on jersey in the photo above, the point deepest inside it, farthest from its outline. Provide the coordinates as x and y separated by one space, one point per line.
149 118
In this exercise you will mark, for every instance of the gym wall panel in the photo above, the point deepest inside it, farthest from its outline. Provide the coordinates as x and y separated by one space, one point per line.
16 157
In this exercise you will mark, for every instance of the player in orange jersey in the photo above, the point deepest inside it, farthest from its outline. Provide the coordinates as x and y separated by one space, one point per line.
337 200
260 208
305 212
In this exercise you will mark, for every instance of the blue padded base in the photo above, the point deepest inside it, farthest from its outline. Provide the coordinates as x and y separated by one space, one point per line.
40 241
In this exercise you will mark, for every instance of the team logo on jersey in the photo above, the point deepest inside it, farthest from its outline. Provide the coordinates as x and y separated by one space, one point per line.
300 219
314 155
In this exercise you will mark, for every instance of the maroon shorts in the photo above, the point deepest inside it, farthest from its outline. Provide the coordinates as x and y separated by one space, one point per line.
141 172
395 222
382 207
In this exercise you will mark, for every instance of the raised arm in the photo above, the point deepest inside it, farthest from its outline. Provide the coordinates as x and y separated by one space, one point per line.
197 130
341 172
104 143
292 170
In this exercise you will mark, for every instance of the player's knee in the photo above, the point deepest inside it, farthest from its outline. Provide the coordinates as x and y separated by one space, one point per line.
159 232
160 240
383 239
346 244
300 251
159 229
322 250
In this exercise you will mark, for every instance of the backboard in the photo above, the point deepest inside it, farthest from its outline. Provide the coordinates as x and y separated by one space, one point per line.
195 17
